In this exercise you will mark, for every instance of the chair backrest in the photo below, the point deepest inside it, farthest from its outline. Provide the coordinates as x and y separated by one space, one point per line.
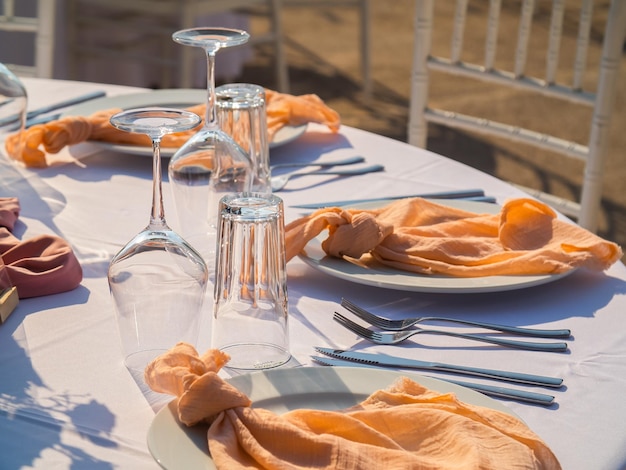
586 208
40 26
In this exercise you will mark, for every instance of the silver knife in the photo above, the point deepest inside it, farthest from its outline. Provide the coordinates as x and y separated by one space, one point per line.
65 103
474 194
391 361
42 120
500 392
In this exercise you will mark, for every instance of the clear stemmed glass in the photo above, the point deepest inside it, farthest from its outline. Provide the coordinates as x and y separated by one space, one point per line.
13 102
157 280
210 164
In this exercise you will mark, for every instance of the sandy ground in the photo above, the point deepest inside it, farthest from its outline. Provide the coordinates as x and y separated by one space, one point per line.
323 56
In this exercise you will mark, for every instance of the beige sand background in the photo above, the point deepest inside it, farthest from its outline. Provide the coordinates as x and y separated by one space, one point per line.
323 55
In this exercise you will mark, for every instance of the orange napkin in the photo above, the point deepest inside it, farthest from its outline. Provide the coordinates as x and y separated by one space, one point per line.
39 266
404 427
282 110
289 110
428 238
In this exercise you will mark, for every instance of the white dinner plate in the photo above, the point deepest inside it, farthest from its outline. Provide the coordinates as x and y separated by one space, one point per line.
174 445
179 98
379 275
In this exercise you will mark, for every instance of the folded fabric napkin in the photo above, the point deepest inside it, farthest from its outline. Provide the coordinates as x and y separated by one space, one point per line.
405 426
282 110
428 238
38 266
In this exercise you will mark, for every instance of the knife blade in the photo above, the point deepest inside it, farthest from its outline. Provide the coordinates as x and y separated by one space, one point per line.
42 120
65 103
494 391
474 194
391 361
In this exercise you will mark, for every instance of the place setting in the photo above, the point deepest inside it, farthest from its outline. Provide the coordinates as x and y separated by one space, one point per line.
86 117
172 98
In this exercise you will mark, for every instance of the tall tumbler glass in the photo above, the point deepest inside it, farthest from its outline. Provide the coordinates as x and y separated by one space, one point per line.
251 308
13 103
241 112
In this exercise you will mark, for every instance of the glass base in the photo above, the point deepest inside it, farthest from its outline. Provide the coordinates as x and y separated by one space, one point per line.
255 356
137 362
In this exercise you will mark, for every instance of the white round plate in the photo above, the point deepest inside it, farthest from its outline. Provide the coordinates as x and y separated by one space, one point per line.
174 445
379 275
179 98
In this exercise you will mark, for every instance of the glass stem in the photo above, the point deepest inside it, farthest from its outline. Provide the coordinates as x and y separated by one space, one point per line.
211 113
157 217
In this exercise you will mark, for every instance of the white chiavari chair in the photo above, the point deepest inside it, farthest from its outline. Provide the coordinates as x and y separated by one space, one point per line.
586 208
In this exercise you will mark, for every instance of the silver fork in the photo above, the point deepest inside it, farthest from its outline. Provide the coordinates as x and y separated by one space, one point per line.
395 337
278 182
326 164
398 325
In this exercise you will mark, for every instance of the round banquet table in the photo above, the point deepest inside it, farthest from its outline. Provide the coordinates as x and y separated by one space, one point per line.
66 400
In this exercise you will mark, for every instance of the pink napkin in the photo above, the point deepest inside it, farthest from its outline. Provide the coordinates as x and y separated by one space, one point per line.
39 266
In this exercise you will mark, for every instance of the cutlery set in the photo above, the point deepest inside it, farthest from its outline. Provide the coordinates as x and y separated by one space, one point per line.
464 194
280 181
492 390
396 331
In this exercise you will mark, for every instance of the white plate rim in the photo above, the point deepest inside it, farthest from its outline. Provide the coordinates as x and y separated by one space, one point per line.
167 97
390 278
174 445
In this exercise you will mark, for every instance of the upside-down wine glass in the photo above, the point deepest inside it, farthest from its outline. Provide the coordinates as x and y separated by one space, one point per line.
210 164
157 280
13 104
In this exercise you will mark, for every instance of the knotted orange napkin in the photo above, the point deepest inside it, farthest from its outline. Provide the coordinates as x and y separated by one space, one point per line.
282 110
38 266
424 237
404 427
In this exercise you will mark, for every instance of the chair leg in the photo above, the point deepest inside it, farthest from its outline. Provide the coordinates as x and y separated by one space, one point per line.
280 60
366 66
417 126
187 54
44 48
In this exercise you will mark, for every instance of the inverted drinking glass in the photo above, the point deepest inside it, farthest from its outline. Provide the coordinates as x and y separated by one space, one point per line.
250 310
157 280
210 164
241 112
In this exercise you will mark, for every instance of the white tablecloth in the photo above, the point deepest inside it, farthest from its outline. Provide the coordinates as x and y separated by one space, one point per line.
66 400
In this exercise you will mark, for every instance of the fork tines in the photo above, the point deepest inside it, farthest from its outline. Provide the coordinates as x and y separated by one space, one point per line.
354 327
365 315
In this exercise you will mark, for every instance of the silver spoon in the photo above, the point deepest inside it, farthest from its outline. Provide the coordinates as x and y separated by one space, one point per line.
279 182
345 161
